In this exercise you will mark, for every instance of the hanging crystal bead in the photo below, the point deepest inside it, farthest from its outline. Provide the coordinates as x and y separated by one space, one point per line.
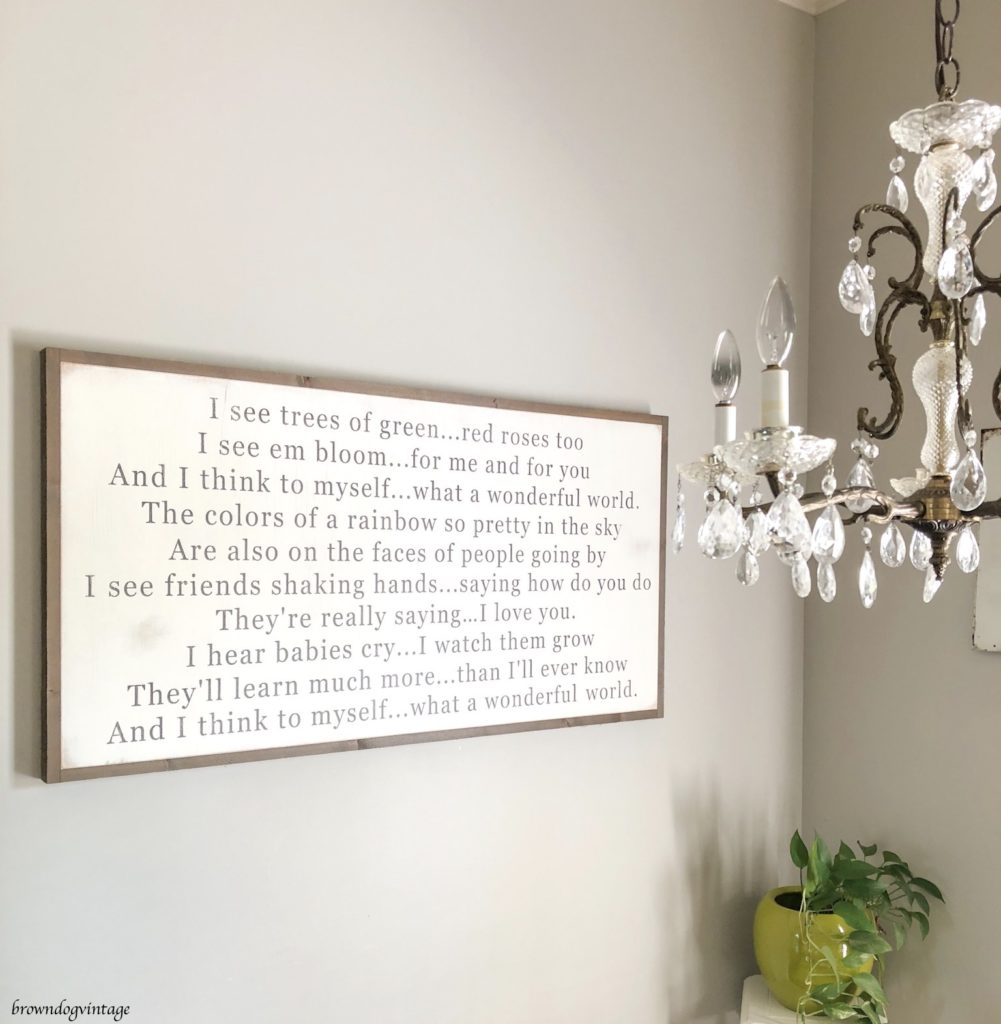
867 320
788 527
747 568
830 482
892 549
801 582
920 552
723 531
828 536
854 244
981 171
827 585
897 164
978 319
932 583
756 532
678 533
867 580
955 270
967 550
969 482
896 194
853 288
985 182
860 476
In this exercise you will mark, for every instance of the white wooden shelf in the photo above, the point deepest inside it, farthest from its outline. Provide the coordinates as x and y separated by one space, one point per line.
759 1006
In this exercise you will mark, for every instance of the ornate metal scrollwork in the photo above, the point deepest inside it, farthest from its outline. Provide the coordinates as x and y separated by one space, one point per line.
904 292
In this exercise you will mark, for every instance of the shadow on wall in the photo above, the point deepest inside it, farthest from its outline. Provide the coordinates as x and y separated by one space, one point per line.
26 572
721 869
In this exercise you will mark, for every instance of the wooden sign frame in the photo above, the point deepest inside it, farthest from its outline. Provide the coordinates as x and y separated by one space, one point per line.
512 551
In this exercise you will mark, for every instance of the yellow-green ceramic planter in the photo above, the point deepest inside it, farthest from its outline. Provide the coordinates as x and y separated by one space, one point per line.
782 953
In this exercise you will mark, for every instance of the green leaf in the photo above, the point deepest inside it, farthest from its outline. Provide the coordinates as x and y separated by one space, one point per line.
867 889
922 901
868 942
922 921
855 961
839 1011
929 887
890 855
899 934
868 984
871 1013
819 860
867 851
798 851
845 852
857 869
853 916
828 993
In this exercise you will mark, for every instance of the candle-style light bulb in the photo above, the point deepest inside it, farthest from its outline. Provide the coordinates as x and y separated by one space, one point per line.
725 378
776 325
725 374
776 328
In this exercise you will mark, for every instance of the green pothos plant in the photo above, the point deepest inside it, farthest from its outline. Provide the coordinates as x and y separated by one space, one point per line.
879 898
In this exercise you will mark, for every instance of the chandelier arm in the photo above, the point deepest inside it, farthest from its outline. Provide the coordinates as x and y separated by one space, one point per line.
904 228
996 395
988 282
985 510
885 360
884 508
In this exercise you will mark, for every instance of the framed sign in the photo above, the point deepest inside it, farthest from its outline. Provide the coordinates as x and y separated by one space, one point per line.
245 565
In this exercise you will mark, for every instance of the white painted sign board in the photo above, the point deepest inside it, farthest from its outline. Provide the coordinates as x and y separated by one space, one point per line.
244 565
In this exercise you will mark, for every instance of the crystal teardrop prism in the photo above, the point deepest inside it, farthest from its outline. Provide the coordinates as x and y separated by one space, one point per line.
967 550
985 182
981 170
747 568
801 582
986 198
827 585
920 552
896 194
723 531
788 527
932 583
867 320
756 532
828 536
853 288
969 483
978 319
955 271
892 549
860 476
678 533
867 580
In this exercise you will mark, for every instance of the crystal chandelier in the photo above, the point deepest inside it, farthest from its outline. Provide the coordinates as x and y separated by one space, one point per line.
945 498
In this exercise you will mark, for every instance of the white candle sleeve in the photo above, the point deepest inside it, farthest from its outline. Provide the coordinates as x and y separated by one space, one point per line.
726 423
774 397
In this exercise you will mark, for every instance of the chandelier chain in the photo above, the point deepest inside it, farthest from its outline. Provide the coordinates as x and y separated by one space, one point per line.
946 67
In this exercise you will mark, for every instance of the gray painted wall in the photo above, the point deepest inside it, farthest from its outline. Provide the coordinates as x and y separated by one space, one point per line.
559 201
901 714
